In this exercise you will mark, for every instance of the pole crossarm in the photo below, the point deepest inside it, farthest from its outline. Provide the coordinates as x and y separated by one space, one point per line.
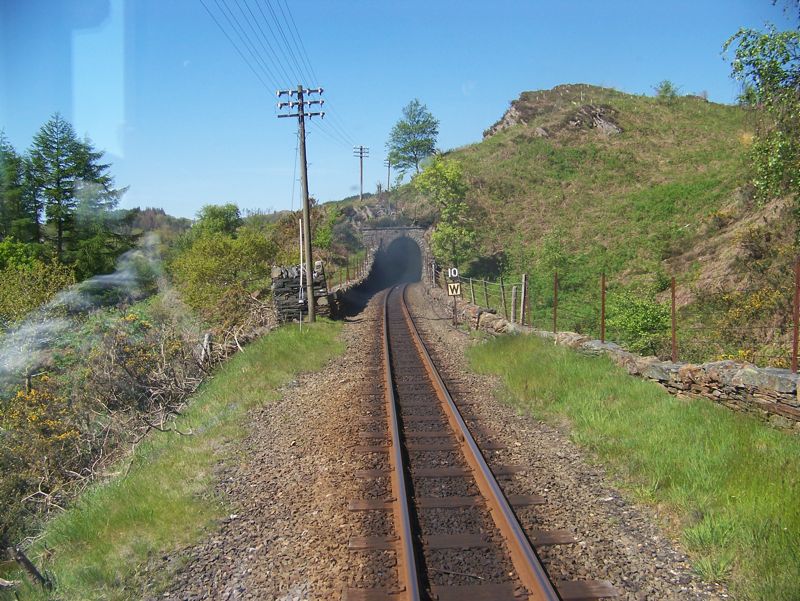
318 114
298 92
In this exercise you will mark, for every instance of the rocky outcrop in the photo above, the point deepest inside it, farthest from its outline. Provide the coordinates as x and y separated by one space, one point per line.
601 118
566 107
511 117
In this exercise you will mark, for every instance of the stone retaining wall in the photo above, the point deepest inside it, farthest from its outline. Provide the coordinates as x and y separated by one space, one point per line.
769 393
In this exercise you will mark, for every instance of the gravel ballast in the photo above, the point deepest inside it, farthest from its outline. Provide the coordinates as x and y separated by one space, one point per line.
287 534
618 540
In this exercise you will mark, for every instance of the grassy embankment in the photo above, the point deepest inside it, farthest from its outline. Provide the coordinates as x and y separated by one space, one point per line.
667 196
99 548
726 484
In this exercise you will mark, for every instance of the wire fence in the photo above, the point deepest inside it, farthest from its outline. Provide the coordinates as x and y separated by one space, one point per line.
725 320
351 269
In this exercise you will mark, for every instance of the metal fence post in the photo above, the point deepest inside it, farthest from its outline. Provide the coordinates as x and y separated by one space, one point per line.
796 315
555 302
674 329
603 307
485 295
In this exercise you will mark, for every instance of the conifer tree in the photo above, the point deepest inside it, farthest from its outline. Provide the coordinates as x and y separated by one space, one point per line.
64 172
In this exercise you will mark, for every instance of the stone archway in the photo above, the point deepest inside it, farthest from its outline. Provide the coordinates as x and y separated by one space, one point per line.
379 238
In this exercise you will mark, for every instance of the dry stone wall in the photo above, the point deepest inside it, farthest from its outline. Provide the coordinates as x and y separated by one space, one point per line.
286 292
769 393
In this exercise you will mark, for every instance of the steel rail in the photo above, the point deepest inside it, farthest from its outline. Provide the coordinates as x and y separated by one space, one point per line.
527 564
406 554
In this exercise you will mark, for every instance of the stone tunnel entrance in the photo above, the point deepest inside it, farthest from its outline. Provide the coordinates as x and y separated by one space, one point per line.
401 255
400 262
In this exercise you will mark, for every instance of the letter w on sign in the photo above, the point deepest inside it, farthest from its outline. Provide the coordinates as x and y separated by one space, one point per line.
454 289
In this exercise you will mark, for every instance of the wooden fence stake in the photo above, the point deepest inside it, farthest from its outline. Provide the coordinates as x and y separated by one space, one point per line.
30 569
513 304
524 301
503 297
485 295
472 291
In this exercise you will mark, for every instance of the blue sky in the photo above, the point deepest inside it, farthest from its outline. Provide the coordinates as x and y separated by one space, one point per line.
185 122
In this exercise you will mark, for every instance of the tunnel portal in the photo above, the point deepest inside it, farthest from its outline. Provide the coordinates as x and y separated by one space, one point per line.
399 262
401 256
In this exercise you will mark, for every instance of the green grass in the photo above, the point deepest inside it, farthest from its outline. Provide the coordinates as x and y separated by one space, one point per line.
726 484
99 547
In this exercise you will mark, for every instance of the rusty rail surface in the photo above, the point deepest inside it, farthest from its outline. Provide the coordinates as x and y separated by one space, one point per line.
406 556
529 568
408 543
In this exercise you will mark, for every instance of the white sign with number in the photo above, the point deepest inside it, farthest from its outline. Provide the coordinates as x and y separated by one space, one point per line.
452 273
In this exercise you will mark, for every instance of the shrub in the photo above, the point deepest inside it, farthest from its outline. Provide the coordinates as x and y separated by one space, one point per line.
25 287
666 91
216 262
640 323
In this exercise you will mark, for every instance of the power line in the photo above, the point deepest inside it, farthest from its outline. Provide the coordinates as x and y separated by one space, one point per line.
296 74
271 51
332 124
299 39
320 127
285 41
239 31
266 60
222 29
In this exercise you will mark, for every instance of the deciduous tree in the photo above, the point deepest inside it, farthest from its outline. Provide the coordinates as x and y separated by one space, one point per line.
768 64
413 137
454 235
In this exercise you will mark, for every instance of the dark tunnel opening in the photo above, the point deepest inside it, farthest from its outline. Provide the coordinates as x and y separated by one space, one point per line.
400 262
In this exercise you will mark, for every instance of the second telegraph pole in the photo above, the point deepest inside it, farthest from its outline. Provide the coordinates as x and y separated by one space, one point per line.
361 152
301 115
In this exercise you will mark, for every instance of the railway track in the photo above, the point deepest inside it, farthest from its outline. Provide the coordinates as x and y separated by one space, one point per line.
456 536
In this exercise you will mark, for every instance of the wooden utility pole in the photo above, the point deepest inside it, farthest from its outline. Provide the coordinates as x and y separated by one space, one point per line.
361 152
388 164
301 115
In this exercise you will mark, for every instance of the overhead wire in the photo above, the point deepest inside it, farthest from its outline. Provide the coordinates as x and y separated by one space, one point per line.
332 124
241 54
268 49
241 34
296 74
288 46
293 30
276 51
317 126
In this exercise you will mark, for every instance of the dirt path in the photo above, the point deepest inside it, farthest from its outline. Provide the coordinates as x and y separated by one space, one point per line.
287 536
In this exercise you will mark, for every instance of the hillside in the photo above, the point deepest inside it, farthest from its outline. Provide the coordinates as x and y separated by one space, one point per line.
583 179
